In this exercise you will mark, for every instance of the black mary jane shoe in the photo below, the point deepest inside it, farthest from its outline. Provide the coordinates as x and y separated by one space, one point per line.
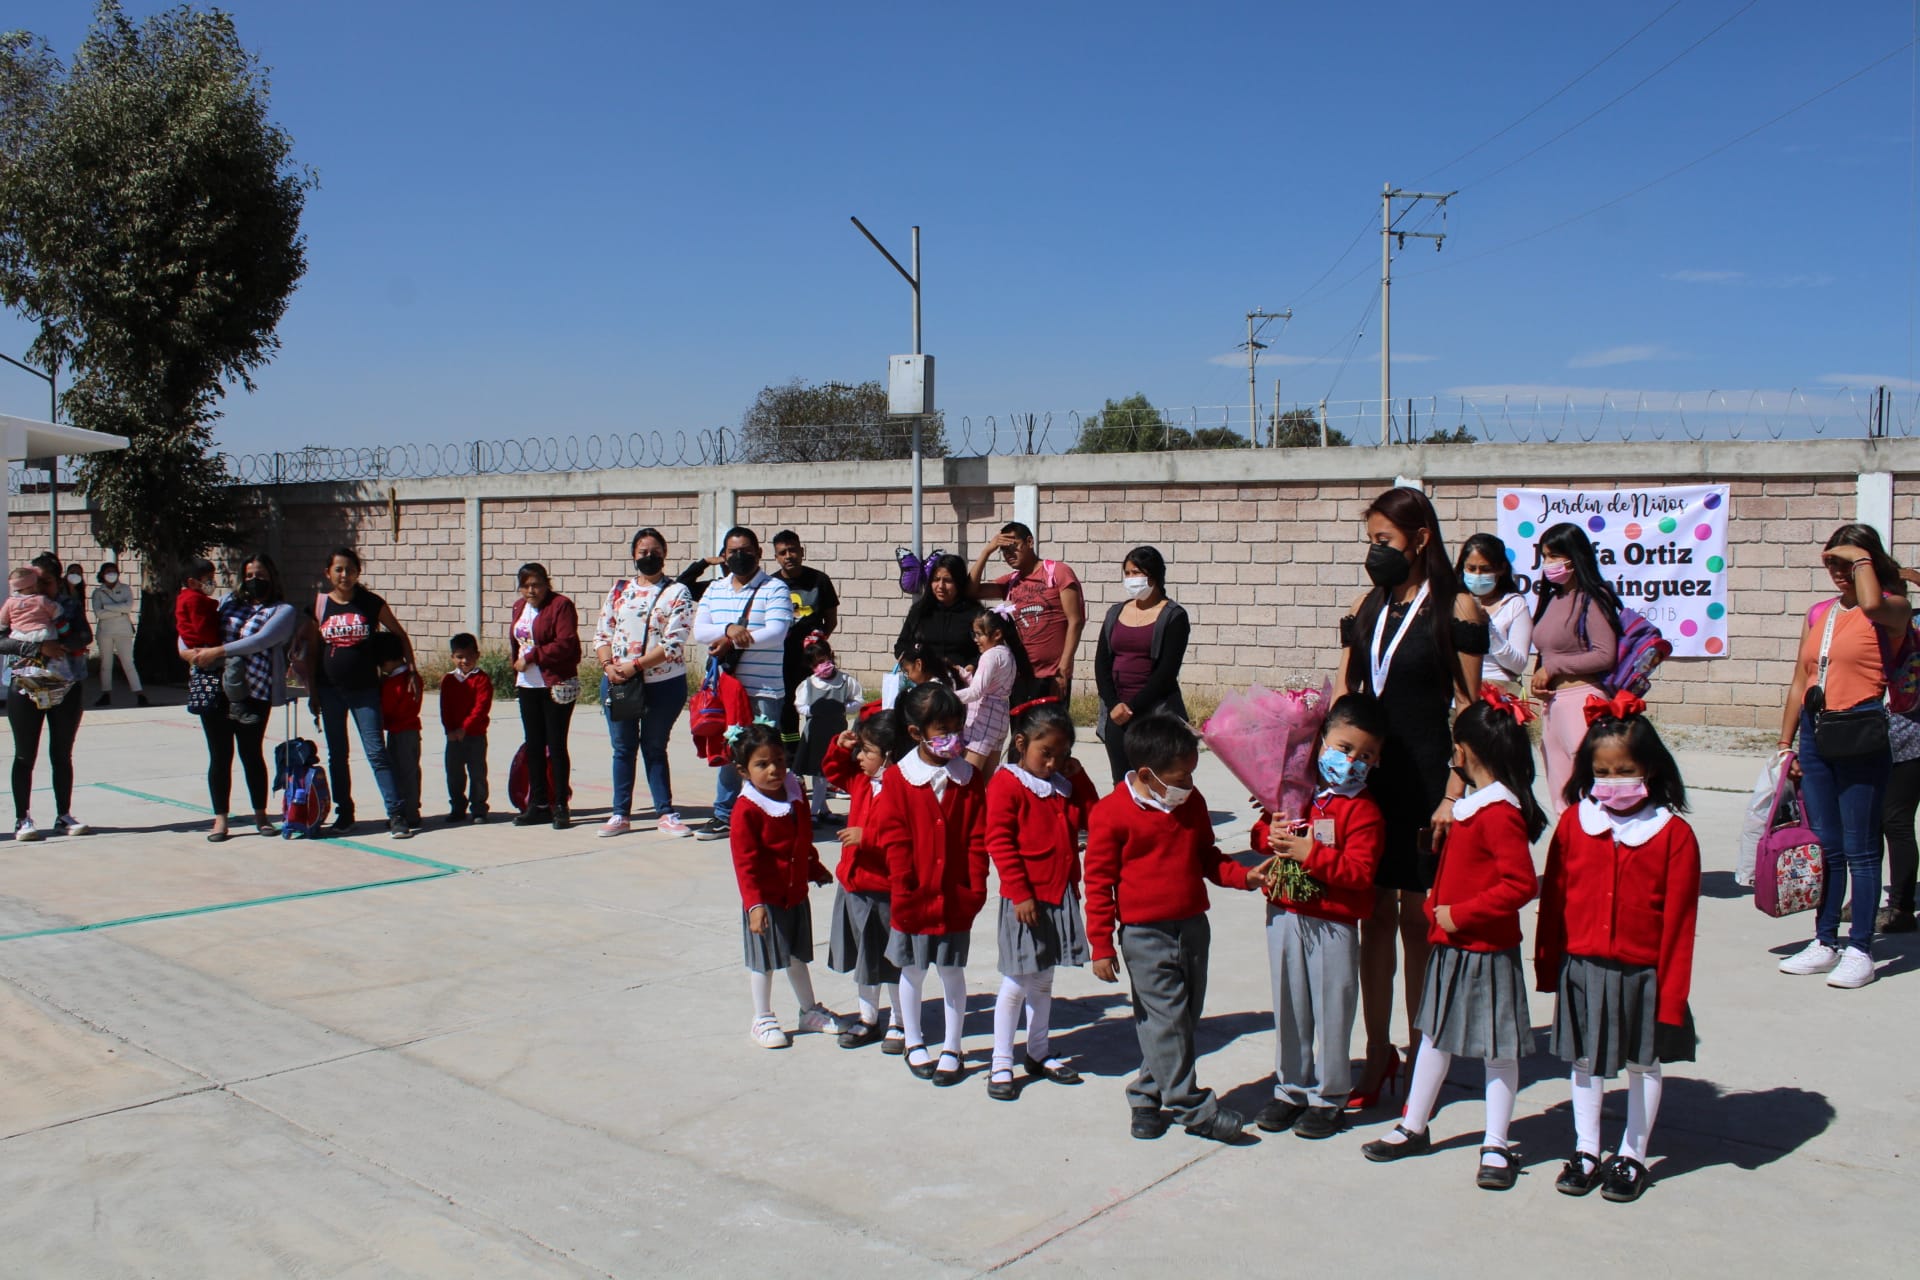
861 1034
1380 1151
1497 1177
1059 1075
1002 1090
1579 1175
895 1044
947 1079
924 1070
1626 1180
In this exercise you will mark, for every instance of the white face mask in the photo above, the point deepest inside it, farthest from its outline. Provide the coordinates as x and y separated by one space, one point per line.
1169 798
1137 584
75 579
110 578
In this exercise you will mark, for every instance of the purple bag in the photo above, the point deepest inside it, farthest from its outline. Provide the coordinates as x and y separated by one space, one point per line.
1789 866
915 571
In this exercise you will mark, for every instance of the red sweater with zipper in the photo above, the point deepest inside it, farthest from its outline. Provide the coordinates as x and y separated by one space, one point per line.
466 705
1632 904
1343 866
936 851
773 858
400 702
1034 841
1145 866
1485 877
863 865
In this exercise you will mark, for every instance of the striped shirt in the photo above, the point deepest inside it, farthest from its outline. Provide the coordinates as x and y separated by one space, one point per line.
767 617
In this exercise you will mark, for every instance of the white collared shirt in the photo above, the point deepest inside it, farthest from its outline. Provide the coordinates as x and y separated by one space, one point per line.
767 804
1474 801
1054 785
919 773
1631 829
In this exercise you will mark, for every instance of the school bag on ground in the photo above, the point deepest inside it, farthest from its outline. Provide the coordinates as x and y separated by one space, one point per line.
1789 863
306 798
520 782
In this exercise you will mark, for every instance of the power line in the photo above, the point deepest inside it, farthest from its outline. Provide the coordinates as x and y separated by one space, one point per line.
1671 173
1353 244
1611 102
1556 95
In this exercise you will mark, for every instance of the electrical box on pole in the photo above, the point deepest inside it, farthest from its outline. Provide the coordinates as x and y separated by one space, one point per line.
910 385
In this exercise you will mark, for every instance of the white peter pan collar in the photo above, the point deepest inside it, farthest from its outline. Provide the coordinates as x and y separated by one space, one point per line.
919 773
1042 787
1468 805
1631 829
769 806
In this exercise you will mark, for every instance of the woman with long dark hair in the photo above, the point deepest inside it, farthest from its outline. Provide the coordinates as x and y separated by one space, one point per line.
1576 631
346 683
545 633
1415 641
1841 669
1486 572
942 615
1136 663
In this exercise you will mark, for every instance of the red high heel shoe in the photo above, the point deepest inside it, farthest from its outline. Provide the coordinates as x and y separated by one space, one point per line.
1387 1083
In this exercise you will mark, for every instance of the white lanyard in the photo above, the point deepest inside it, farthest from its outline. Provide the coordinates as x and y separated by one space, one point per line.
1377 661
1826 643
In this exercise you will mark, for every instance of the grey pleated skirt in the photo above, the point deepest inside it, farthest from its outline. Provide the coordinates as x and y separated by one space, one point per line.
1059 938
857 938
924 950
789 937
1604 1019
1474 1003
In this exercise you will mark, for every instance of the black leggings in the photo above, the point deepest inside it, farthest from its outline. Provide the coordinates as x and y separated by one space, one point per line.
1116 745
545 723
1903 850
63 725
223 735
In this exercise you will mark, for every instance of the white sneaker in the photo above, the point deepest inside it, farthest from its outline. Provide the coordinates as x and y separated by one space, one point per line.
820 1018
26 831
767 1034
1818 957
68 825
1854 970
670 825
617 825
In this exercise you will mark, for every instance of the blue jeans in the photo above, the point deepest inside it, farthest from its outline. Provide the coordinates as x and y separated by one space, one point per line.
364 706
665 699
727 787
1846 804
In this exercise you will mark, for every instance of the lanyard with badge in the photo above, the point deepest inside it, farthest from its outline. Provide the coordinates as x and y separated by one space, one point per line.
1378 663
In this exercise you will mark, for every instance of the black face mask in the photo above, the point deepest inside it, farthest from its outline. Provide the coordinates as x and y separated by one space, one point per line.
741 564
649 562
1387 565
256 589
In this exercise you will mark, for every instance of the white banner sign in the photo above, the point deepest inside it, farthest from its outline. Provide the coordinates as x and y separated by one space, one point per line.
1663 550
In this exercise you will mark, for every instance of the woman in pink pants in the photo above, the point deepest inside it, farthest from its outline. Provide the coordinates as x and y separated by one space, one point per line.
1576 632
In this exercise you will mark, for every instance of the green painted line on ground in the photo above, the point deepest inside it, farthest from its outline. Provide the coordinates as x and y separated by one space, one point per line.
355 845
222 906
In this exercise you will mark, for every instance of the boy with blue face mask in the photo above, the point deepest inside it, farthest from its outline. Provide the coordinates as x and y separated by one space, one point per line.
1313 926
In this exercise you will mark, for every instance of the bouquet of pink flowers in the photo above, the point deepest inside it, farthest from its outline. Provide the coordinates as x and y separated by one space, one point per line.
1265 738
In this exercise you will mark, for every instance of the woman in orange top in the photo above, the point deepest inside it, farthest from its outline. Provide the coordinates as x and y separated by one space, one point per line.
1841 668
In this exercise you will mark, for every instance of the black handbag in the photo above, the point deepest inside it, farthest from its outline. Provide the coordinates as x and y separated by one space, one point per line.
627 701
1849 734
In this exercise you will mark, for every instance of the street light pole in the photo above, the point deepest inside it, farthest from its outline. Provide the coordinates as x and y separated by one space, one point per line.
913 279
51 376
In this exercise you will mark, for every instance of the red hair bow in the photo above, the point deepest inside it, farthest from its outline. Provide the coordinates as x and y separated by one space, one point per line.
1499 699
1037 702
1621 705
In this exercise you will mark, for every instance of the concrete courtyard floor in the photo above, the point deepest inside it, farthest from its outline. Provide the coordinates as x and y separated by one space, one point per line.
509 1052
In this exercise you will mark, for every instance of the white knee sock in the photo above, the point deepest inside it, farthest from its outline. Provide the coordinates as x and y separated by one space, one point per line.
1429 1073
953 981
1006 1019
1503 1081
1643 1104
1039 1014
890 992
912 979
761 984
1588 1091
802 979
869 1010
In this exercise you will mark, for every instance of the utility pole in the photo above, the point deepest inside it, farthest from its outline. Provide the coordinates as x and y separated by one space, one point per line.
913 279
1254 347
1388 194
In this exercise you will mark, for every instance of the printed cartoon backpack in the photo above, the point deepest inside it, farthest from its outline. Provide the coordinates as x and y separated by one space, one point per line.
298 773
1641 649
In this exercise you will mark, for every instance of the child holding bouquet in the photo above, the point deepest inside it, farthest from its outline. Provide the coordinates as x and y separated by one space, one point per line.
1313 922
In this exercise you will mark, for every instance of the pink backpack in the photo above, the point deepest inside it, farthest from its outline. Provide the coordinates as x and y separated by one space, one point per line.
1789 865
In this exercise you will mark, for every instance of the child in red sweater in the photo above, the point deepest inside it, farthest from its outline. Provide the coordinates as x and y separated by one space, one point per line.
466 708
196 618
861 929
1037 807
1313 942
930 822
774 860
1615 942
1474 999
1150 850
400 717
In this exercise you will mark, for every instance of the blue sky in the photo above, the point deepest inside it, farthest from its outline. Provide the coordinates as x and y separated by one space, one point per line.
595 217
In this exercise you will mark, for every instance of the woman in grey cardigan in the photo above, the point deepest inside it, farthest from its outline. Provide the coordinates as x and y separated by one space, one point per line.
259 625
114 607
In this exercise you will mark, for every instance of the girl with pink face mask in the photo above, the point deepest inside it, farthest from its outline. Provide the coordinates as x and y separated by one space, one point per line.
1576 633
1615 937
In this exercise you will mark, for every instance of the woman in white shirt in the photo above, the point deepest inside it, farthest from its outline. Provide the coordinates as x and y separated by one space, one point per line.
114 605
1486 570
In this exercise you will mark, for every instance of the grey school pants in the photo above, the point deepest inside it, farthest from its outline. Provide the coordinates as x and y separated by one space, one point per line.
467 771
1316 982
1167 965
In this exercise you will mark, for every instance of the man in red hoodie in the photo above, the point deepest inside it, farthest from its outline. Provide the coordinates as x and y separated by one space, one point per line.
1150 850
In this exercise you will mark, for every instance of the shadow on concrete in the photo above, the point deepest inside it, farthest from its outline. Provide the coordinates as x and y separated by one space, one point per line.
1721 884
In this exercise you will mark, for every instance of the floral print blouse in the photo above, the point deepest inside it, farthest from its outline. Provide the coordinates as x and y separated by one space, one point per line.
638 615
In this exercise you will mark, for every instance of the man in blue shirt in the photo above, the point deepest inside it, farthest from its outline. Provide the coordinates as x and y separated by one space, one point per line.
743 620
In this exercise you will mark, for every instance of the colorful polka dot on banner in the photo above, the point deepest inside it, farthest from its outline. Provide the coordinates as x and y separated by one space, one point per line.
1716 645
1715 564
1668 524
1596 524
1689 628
1713 502
1703 532
1526 528
1511 502
1632 531
1512 555
1716 611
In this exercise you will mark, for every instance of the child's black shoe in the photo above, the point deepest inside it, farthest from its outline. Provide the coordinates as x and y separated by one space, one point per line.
1149 1123
1279 1115
1580 1175
1319 1122
1380 1151
1497 1177
1226 1125
1626 1180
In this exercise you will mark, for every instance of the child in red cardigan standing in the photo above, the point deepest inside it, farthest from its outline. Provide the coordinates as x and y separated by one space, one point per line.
1037 807
1313 944
1474 1000
1150 852
930 820
1615 942
862 910
774 861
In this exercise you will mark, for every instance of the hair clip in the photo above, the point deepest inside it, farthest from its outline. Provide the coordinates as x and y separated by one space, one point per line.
1522 711
733 733
1620 706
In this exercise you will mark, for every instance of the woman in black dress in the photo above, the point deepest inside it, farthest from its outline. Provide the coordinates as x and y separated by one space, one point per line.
1415 641
942 616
